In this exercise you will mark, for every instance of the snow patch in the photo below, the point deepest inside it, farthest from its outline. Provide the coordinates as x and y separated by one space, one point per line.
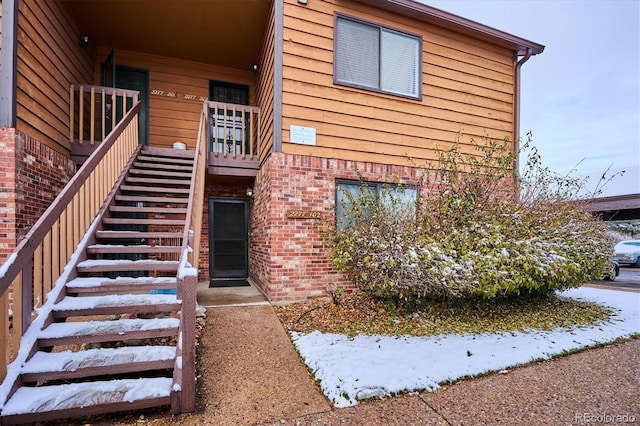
65 329
361 367
61 397
90 302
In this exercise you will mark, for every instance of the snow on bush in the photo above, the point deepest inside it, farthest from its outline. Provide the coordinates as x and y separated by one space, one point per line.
469 234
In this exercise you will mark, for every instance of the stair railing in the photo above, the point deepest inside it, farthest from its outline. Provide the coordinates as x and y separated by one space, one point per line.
183 396
39 259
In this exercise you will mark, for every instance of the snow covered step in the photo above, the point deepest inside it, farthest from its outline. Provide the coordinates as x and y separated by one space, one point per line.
115 304
36 404
120 248
107 265
120 284
71 333
95 362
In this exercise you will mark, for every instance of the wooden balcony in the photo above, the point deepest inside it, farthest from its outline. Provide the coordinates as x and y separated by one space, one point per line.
233 139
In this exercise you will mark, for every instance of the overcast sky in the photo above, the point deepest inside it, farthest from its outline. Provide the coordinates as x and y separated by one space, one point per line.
581 96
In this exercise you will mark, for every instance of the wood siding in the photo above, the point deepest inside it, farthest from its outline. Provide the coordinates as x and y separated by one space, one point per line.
49 60
467 88
177 90
265 87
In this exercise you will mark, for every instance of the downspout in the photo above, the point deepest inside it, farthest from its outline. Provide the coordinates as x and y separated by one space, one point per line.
8 63
516 113
277 74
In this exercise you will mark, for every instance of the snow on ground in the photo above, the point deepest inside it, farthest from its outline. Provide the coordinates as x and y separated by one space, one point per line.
355 368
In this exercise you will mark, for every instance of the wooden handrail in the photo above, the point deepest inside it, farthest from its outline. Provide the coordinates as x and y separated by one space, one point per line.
40 257
184 391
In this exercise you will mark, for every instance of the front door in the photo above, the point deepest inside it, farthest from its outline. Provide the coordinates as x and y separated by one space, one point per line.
135 79
228 241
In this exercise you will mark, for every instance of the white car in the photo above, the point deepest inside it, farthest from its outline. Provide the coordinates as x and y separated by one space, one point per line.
628 253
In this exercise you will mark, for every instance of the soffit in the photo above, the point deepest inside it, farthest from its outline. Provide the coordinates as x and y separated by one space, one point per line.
221 32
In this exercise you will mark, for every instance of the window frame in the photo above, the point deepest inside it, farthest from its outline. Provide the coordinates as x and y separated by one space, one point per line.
377 186
380 27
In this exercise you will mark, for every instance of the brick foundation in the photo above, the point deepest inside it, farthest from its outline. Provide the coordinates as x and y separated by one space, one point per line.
288 258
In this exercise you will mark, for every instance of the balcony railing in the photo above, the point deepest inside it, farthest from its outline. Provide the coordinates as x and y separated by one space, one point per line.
233 138
94 113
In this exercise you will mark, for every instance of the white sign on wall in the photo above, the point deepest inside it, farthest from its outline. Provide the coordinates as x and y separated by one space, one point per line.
302 135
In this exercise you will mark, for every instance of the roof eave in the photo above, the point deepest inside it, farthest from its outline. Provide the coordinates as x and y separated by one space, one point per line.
462 25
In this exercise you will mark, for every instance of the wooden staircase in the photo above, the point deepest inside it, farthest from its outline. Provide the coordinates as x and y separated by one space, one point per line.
110 342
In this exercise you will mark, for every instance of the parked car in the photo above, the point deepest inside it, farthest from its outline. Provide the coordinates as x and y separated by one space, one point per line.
628 253
613 272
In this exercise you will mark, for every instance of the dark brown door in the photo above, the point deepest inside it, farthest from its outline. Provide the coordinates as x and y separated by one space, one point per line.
228 239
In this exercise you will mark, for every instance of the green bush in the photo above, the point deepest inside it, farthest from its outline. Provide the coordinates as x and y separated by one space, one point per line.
472 233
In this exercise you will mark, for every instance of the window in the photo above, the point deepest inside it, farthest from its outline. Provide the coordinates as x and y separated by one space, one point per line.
347 191
377 58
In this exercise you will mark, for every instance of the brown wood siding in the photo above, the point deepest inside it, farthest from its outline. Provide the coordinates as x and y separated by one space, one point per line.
467 87
265 87
177 90
49 60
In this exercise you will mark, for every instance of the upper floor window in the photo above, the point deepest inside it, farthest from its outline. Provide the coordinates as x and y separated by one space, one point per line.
378 58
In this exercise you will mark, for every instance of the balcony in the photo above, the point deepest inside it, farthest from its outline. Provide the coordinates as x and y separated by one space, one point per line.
233 139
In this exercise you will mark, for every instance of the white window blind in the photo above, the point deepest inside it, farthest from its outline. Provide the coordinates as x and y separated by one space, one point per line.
374 57
399 65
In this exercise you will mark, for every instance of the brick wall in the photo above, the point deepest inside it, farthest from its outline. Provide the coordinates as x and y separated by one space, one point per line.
298 264
8 196
31 176
41 173
261 230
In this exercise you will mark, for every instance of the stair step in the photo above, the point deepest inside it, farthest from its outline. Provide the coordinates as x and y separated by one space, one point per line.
169 160
42 403
157 181
108 265
162 189
156 166
164 173
96 362
117 248
115 304
135 209
144 199
133 235
77 332
157 151
129 221
120 284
